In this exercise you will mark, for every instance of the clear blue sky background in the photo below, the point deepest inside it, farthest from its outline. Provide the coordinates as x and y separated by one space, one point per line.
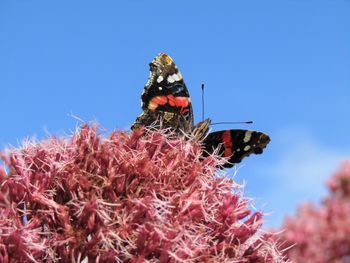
283 64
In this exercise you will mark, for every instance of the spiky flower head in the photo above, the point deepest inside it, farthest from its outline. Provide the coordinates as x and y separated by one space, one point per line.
132 197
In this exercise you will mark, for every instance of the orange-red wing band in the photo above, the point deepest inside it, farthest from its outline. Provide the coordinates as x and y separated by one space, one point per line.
226 139
178 102
156 101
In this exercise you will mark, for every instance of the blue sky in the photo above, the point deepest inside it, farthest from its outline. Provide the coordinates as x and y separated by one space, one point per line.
283 64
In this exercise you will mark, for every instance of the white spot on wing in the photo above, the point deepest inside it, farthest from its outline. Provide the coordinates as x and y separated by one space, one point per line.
160 88
160 79
247 136
176 77
171 79
246 148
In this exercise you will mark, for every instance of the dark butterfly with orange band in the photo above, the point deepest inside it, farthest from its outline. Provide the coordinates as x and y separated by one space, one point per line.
167 103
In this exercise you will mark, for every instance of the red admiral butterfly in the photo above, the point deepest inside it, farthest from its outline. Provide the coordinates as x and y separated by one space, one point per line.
166 101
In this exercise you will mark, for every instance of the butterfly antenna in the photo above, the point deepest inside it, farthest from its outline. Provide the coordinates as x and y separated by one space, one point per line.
202 102
232 122
225 122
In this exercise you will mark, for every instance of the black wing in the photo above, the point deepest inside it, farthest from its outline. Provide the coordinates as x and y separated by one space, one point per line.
235 144
165 97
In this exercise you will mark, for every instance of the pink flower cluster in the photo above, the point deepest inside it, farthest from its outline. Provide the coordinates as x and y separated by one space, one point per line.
322 234
127 198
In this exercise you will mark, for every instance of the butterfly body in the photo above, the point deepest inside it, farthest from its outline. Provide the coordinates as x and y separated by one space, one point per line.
166 103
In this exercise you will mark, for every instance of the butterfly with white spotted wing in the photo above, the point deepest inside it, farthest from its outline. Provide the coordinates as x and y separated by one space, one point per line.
166 102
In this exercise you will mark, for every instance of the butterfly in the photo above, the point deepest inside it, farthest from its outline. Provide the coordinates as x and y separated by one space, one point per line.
166 102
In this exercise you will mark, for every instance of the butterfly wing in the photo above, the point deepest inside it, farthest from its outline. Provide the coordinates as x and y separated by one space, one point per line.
166 103
235 144
165 99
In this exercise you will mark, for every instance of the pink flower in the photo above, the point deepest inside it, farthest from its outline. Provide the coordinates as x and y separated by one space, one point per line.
127 198
322 234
